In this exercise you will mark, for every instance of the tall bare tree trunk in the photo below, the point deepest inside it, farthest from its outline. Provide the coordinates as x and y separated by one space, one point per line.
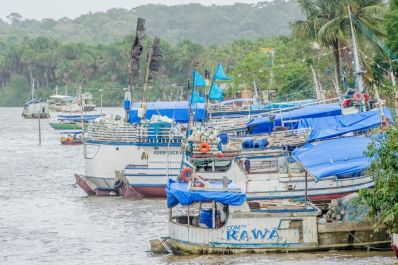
336 57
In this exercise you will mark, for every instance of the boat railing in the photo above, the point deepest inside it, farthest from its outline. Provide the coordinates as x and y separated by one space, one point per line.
131 133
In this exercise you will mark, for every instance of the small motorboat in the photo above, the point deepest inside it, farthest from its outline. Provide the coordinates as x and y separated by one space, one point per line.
72 138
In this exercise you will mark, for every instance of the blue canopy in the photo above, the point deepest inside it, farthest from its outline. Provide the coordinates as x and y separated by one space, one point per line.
78 118
338 157
178 193
290 119
327 127
176 110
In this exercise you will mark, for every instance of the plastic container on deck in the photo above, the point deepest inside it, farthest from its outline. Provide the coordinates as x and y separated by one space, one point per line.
261 143
247 143
206 217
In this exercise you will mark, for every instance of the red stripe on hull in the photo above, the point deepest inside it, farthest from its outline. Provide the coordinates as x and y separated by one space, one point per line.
129 192
83 185
327 197
146 192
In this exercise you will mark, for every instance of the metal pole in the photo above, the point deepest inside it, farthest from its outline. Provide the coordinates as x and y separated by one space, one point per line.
170 214
38 116
214 215
101 101
306 187
81 109
379 101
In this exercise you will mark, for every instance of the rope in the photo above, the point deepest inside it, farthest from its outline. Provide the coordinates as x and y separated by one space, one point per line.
366 245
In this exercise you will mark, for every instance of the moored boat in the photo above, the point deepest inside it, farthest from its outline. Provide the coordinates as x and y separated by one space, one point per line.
35 108
217 219
72 138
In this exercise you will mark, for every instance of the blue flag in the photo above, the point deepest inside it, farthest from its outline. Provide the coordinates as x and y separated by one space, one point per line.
196 98
220 75
198 79
216 92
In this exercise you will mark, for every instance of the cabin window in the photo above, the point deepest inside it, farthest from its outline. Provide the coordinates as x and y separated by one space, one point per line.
214 166
133 166
292 224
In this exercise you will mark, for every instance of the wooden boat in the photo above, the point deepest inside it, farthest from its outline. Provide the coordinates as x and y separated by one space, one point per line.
220 220
35 108
72 138
67 125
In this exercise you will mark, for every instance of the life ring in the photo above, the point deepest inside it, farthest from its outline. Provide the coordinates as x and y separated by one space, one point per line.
118 184
204 147
358 96
346 102
186 174
366 97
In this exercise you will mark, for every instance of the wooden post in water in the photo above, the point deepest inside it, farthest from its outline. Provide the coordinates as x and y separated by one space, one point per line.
38 117
35 110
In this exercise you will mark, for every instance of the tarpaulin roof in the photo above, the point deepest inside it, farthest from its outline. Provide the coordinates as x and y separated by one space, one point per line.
32 101
337 157
178 193
327 127
176 110
261 125
87 117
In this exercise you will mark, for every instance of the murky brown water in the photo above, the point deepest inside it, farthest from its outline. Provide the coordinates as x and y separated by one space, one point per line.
44 220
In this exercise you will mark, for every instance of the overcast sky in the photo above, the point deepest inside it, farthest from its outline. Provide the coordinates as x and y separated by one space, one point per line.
40 9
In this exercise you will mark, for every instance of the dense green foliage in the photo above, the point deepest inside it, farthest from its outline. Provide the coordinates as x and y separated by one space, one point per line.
195 22
96 67
90 57
392 26
383 198
328 22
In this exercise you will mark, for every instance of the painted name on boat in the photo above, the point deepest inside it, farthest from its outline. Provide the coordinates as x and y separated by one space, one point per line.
165 152
240 233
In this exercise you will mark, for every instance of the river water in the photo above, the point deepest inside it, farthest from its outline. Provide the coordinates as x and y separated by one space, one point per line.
45 220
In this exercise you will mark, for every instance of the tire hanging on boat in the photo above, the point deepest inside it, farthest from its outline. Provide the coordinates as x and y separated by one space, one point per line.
186 174
118 184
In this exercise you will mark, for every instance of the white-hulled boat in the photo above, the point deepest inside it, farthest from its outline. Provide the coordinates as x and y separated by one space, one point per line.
139 149
36 108
217 219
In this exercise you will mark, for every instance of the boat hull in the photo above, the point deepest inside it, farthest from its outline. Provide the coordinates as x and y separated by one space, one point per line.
143 191
66 126
258 232
35 116
394 244
185 248
82 183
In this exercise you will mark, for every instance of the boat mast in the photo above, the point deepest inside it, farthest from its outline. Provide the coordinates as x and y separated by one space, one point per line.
135 53
318 89
357 64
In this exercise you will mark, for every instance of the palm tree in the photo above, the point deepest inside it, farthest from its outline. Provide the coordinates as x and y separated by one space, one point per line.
328 22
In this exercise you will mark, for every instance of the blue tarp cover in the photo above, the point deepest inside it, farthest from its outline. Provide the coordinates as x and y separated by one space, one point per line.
77 117
176 110
327 127
178 193
337 157
291 118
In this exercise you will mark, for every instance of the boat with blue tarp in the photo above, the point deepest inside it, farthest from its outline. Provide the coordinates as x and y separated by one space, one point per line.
215 218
